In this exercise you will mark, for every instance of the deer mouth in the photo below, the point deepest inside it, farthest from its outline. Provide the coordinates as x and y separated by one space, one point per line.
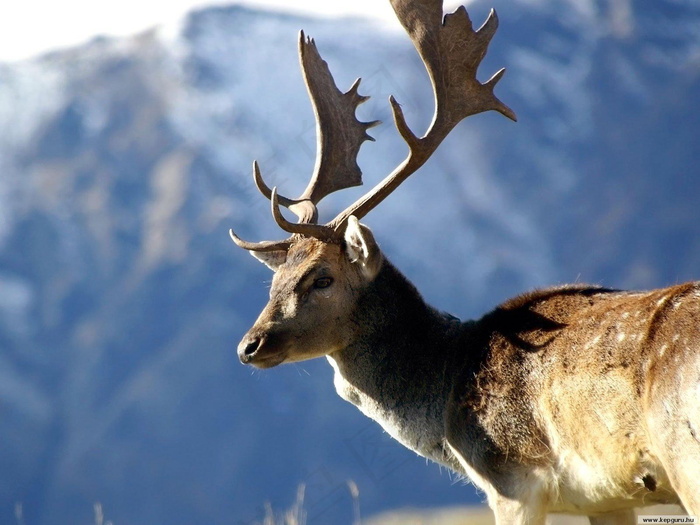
269 361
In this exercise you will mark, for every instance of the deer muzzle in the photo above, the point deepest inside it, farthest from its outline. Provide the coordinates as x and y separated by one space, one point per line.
261 349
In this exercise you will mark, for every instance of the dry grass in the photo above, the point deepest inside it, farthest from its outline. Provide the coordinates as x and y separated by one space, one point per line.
481 515
97 509
296 515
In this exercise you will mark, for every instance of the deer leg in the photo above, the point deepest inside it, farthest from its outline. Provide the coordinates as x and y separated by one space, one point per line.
620 517
685 479
677 445
526 504
515 512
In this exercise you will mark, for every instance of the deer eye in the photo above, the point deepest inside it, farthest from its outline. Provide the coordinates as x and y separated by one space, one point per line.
323 282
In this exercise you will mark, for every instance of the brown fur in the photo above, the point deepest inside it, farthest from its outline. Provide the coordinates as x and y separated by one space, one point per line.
572 399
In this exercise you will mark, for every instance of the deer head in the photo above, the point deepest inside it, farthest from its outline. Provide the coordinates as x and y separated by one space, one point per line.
314 289
321 269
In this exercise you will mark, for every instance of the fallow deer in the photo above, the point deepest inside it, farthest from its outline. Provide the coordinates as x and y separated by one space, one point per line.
575 399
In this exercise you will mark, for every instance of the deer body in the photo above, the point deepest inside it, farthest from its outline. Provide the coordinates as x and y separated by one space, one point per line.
573 399
544 388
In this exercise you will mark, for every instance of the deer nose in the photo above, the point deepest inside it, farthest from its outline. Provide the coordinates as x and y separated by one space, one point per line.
248 347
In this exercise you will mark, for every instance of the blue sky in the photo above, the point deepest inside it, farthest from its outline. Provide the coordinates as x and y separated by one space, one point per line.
30 27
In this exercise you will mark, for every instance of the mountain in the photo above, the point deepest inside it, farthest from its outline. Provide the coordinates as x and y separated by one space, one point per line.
124 162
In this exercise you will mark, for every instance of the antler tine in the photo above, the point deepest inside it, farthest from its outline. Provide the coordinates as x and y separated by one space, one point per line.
305 210
318 231
451 51
265 246
265 189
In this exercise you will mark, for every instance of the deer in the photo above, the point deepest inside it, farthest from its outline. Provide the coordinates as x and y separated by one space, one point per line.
573 399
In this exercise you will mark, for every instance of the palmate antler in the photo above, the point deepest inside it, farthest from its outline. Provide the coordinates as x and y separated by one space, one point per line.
451 51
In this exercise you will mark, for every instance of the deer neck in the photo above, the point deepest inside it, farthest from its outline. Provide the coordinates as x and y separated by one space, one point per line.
397 370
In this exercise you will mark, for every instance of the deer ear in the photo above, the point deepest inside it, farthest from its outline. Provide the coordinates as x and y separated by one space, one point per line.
361 248
272 260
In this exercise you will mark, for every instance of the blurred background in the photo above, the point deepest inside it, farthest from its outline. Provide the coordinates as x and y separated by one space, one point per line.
125 156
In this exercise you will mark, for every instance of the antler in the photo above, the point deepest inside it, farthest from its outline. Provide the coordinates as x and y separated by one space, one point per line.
339 133
451 51
339 136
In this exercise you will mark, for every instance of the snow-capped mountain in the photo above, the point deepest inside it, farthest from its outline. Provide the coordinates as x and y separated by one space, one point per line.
124 162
